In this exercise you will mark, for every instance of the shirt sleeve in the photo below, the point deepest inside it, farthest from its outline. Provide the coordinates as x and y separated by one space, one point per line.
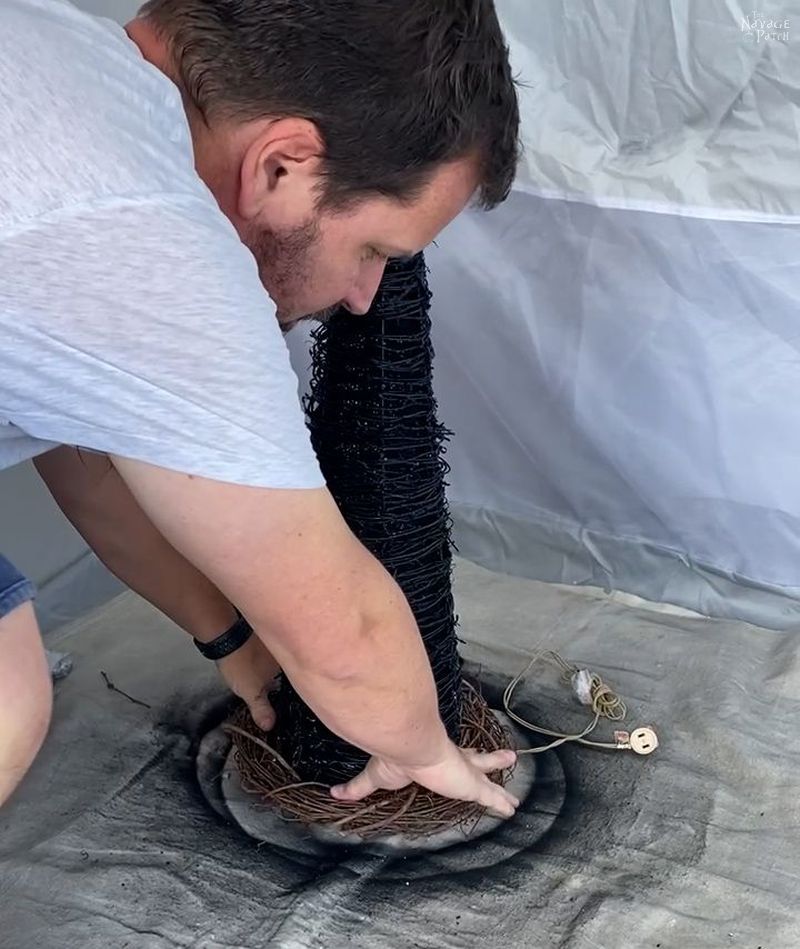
141 328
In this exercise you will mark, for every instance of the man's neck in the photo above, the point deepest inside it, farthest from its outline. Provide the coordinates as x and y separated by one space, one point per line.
214 153
152 47
156 51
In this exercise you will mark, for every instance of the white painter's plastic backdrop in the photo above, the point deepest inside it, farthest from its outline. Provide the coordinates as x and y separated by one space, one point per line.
618 345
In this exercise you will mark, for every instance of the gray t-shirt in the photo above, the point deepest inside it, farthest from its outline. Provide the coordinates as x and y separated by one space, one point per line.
132 319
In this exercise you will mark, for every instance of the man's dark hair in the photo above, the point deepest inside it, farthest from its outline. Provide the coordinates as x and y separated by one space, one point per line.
395 87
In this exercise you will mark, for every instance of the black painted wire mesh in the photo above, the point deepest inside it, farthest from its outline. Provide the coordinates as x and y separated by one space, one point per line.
373 421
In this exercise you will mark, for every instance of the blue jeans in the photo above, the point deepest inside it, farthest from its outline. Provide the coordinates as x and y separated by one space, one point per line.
15 589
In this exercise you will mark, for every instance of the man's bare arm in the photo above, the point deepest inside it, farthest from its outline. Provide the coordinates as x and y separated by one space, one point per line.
328 611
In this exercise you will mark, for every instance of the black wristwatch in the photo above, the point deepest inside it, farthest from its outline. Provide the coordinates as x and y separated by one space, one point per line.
231 640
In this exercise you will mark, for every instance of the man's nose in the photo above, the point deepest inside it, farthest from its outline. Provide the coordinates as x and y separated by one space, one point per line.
360 298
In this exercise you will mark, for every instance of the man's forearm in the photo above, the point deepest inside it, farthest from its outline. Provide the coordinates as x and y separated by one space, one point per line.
369 680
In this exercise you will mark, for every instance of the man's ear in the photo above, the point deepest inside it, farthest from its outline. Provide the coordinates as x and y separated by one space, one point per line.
279 171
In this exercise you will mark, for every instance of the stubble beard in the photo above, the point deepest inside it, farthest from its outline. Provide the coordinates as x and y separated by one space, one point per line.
284 264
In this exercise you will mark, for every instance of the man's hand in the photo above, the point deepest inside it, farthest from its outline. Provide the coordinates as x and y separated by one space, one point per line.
250 672
461 775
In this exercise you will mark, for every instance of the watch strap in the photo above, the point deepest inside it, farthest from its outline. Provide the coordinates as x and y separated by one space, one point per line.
231 640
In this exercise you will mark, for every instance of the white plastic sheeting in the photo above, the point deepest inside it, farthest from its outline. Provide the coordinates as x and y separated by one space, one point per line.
618 345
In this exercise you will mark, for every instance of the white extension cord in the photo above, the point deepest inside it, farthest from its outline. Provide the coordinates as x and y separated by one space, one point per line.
592 692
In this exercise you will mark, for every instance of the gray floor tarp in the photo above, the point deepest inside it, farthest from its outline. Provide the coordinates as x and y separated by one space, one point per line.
111 843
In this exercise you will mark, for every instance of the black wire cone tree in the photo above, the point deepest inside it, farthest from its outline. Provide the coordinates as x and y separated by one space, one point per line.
373 421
